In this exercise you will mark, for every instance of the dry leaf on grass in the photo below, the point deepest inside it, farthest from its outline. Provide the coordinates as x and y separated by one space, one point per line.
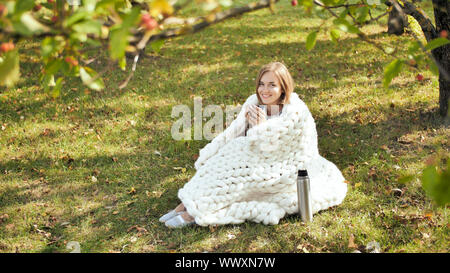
351 242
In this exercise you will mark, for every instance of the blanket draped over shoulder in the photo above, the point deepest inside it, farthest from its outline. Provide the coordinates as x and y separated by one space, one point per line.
253 177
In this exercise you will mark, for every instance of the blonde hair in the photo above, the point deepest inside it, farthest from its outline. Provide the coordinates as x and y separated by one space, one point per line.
283 76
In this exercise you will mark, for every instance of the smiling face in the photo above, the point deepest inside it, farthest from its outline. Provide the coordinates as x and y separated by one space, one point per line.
269 88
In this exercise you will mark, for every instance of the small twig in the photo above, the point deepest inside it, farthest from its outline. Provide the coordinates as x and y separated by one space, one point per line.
125 83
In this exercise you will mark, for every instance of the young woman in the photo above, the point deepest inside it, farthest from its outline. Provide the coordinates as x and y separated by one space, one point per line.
249 171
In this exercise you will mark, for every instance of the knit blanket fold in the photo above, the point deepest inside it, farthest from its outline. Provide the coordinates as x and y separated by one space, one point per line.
253 177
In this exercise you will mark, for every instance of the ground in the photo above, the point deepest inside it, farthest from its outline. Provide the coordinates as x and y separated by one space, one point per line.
100 167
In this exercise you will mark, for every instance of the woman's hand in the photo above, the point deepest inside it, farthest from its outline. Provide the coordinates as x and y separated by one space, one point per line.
255 115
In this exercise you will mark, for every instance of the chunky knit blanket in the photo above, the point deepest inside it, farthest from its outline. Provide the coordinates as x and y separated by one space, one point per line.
253 177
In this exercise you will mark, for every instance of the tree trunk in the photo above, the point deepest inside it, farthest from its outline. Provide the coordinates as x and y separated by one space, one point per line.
397 22
442 54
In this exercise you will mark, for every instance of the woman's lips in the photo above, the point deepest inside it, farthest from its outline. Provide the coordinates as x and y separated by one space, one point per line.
266 96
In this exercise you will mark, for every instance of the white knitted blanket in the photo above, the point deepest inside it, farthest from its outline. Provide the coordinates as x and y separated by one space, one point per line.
254 177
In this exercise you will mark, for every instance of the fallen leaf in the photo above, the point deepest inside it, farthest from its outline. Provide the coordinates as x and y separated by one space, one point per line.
373 247
3 218
429 215
430 160
213 228
372 172
358 184
396 192
115 212
138 229
351 242
74 246
10 227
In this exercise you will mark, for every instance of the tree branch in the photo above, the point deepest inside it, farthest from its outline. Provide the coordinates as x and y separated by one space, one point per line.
218 17
425 23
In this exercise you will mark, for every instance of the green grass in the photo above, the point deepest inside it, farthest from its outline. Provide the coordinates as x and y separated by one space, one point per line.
51 149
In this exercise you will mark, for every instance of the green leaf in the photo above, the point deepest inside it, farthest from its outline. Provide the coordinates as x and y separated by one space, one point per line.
435 43
413 47
53 66
131 18
119 34
23 6
433 67
429 178
345 26
226 3
47 5
311 40
321 12
405 179
343 14
373 2
51 45
123 63
82 37
362 13
157 45
391 71
87 27
104 4
76 17
89 5
87 76
48 80
57 88
335 34
437 185
9 68
28 26
118 43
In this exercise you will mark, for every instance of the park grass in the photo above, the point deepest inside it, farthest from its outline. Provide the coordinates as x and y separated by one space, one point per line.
100 168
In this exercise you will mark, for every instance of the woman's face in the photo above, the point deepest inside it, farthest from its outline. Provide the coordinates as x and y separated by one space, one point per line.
269 88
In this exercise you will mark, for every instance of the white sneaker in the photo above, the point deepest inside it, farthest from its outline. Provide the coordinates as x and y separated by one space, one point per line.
178 222
169 215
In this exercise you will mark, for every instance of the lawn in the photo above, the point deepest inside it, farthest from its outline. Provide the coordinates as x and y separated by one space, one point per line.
100 167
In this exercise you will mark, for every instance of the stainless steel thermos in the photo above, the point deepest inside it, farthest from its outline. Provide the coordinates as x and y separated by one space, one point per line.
304 196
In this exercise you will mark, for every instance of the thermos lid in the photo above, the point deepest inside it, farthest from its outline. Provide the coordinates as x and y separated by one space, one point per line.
302 173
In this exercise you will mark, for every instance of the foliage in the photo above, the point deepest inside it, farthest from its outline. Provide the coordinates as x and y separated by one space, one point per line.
122 26
436 183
